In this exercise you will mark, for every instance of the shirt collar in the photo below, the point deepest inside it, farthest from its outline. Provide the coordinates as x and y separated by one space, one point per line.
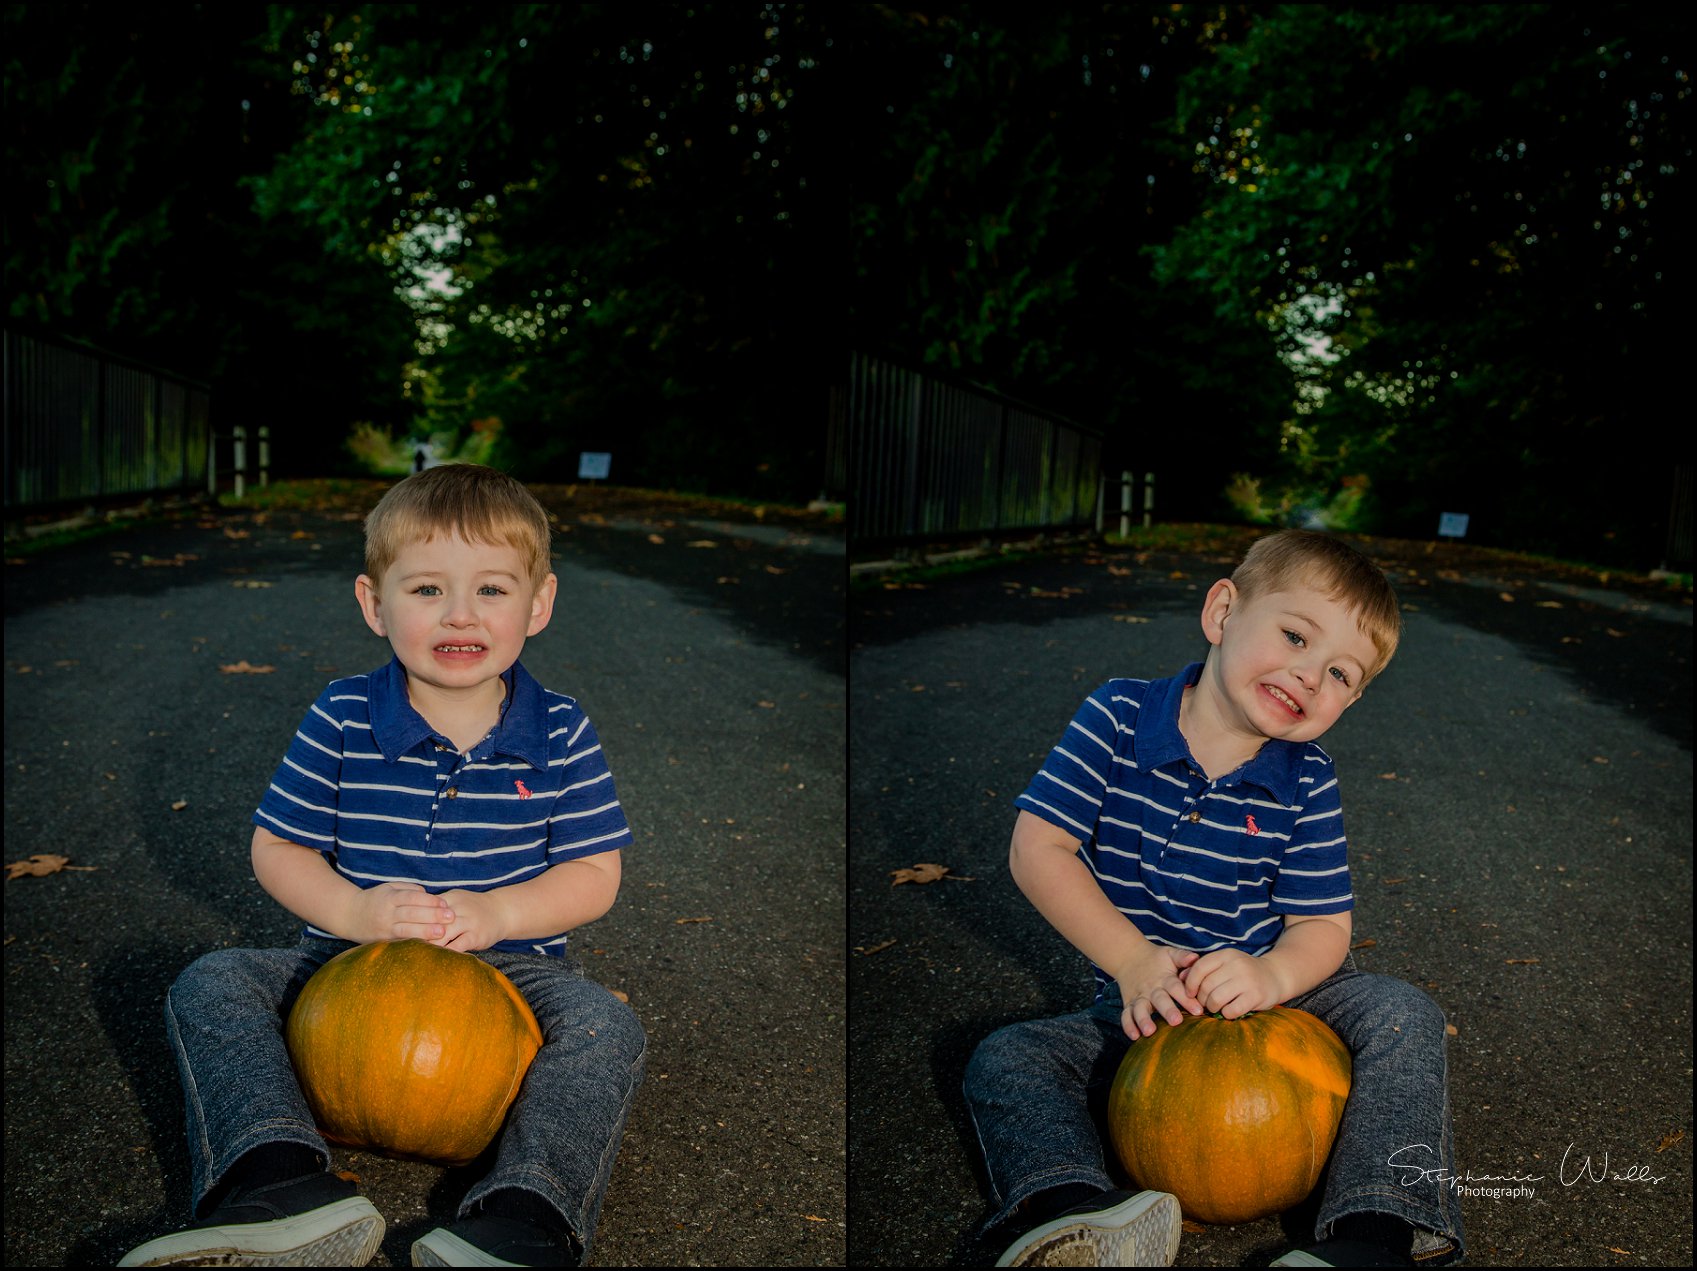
1275 767
397 728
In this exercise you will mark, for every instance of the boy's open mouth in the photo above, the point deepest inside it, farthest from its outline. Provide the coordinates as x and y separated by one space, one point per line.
1283 699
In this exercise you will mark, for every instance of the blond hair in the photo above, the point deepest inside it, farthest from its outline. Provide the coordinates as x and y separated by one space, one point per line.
479 504
1292 558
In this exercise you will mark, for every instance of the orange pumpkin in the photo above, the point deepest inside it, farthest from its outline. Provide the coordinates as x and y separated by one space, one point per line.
1235 1117
409 1049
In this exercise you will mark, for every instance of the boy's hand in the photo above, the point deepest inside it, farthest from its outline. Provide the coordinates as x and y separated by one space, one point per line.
476 920
1151 984
1231 983
400 911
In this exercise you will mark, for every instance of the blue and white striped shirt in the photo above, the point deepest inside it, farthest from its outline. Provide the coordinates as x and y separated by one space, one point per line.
370 784
1194 863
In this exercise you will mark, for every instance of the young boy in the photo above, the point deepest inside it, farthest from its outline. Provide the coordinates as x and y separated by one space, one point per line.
1186 836
447 797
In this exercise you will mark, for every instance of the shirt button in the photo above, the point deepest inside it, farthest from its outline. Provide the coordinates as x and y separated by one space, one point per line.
451 793
440 746
1194 815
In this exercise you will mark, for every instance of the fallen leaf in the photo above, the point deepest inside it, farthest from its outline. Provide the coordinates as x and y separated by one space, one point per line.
249 582
926 872
656 539
725 578
179 805
1668 1140
1505 595
1451 1030
813 1218
1128 617
229 533
1598 759
1364 944
303 534
680 922
1119 571
1616 1249
1616 634
1178 573
701 542
1521 961
767 705
621 995
1389 881
346 1175
1387 776
244 667
1551 604
773 569
877 948
41 865
1191 1227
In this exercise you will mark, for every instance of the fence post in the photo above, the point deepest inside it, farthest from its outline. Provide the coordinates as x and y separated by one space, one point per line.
1101 499
241 460
1125 503
264 455
211 464
1148 498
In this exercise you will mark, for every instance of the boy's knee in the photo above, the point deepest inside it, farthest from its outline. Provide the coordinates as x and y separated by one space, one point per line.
994 1056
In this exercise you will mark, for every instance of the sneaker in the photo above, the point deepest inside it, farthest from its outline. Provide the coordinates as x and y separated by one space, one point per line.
1343 1253
317 1220
488 1240
1116 1229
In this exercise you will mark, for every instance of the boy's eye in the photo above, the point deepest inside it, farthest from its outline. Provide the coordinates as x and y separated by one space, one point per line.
490 589
426 589
1340 675
1293 638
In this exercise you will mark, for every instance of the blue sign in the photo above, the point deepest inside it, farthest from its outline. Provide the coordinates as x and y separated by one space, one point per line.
1452 525
593 466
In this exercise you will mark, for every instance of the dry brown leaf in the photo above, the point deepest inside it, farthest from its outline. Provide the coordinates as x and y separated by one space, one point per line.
249 582
926 872
303 534
230 533
1616 1249
1598 759
346 1175
1616 634
1389 881
244 667
1364 944
1450 1030
726 578
701 542
1551 604
179 805
1387 776
41 865
767 705
621 995
774 569
1119 571
1506 595
813 1218
866 952
656 539
1522 961
680 922
1668 1140
1193 1228
1129 617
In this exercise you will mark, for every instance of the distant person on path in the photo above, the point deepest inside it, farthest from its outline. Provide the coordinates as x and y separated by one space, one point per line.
448 797
1186 835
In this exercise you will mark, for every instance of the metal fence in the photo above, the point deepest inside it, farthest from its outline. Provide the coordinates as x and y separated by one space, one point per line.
930 459
81 424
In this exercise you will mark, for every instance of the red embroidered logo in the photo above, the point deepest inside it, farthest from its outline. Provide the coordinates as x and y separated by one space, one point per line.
1250 822
523 793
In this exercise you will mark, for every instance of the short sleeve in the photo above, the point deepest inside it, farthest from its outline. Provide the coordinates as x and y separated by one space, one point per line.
300 803
1068 789
587 818
1313 873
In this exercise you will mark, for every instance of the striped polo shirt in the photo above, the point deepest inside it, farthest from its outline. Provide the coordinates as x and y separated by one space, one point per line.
1194 863
369 783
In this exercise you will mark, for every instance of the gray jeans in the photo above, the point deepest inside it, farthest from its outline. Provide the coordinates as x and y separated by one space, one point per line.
1037 1092
225 1018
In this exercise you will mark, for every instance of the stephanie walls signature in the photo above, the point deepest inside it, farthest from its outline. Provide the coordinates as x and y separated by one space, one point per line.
1408 1161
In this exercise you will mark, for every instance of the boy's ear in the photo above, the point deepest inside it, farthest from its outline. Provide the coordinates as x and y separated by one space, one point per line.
366 592
1222 596
542 605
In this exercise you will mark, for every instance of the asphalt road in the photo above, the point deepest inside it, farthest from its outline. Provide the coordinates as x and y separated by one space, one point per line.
709 652
1517 791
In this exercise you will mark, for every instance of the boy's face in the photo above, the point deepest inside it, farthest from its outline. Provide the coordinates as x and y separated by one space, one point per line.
1287 663
456 613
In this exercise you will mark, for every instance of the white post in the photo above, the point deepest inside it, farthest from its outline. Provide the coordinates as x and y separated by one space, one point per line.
1125 504
241 460
211 465
1148 498
1101 500
264 455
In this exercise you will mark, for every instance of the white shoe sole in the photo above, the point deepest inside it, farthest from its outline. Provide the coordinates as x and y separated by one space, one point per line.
345 1233
1140 1232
